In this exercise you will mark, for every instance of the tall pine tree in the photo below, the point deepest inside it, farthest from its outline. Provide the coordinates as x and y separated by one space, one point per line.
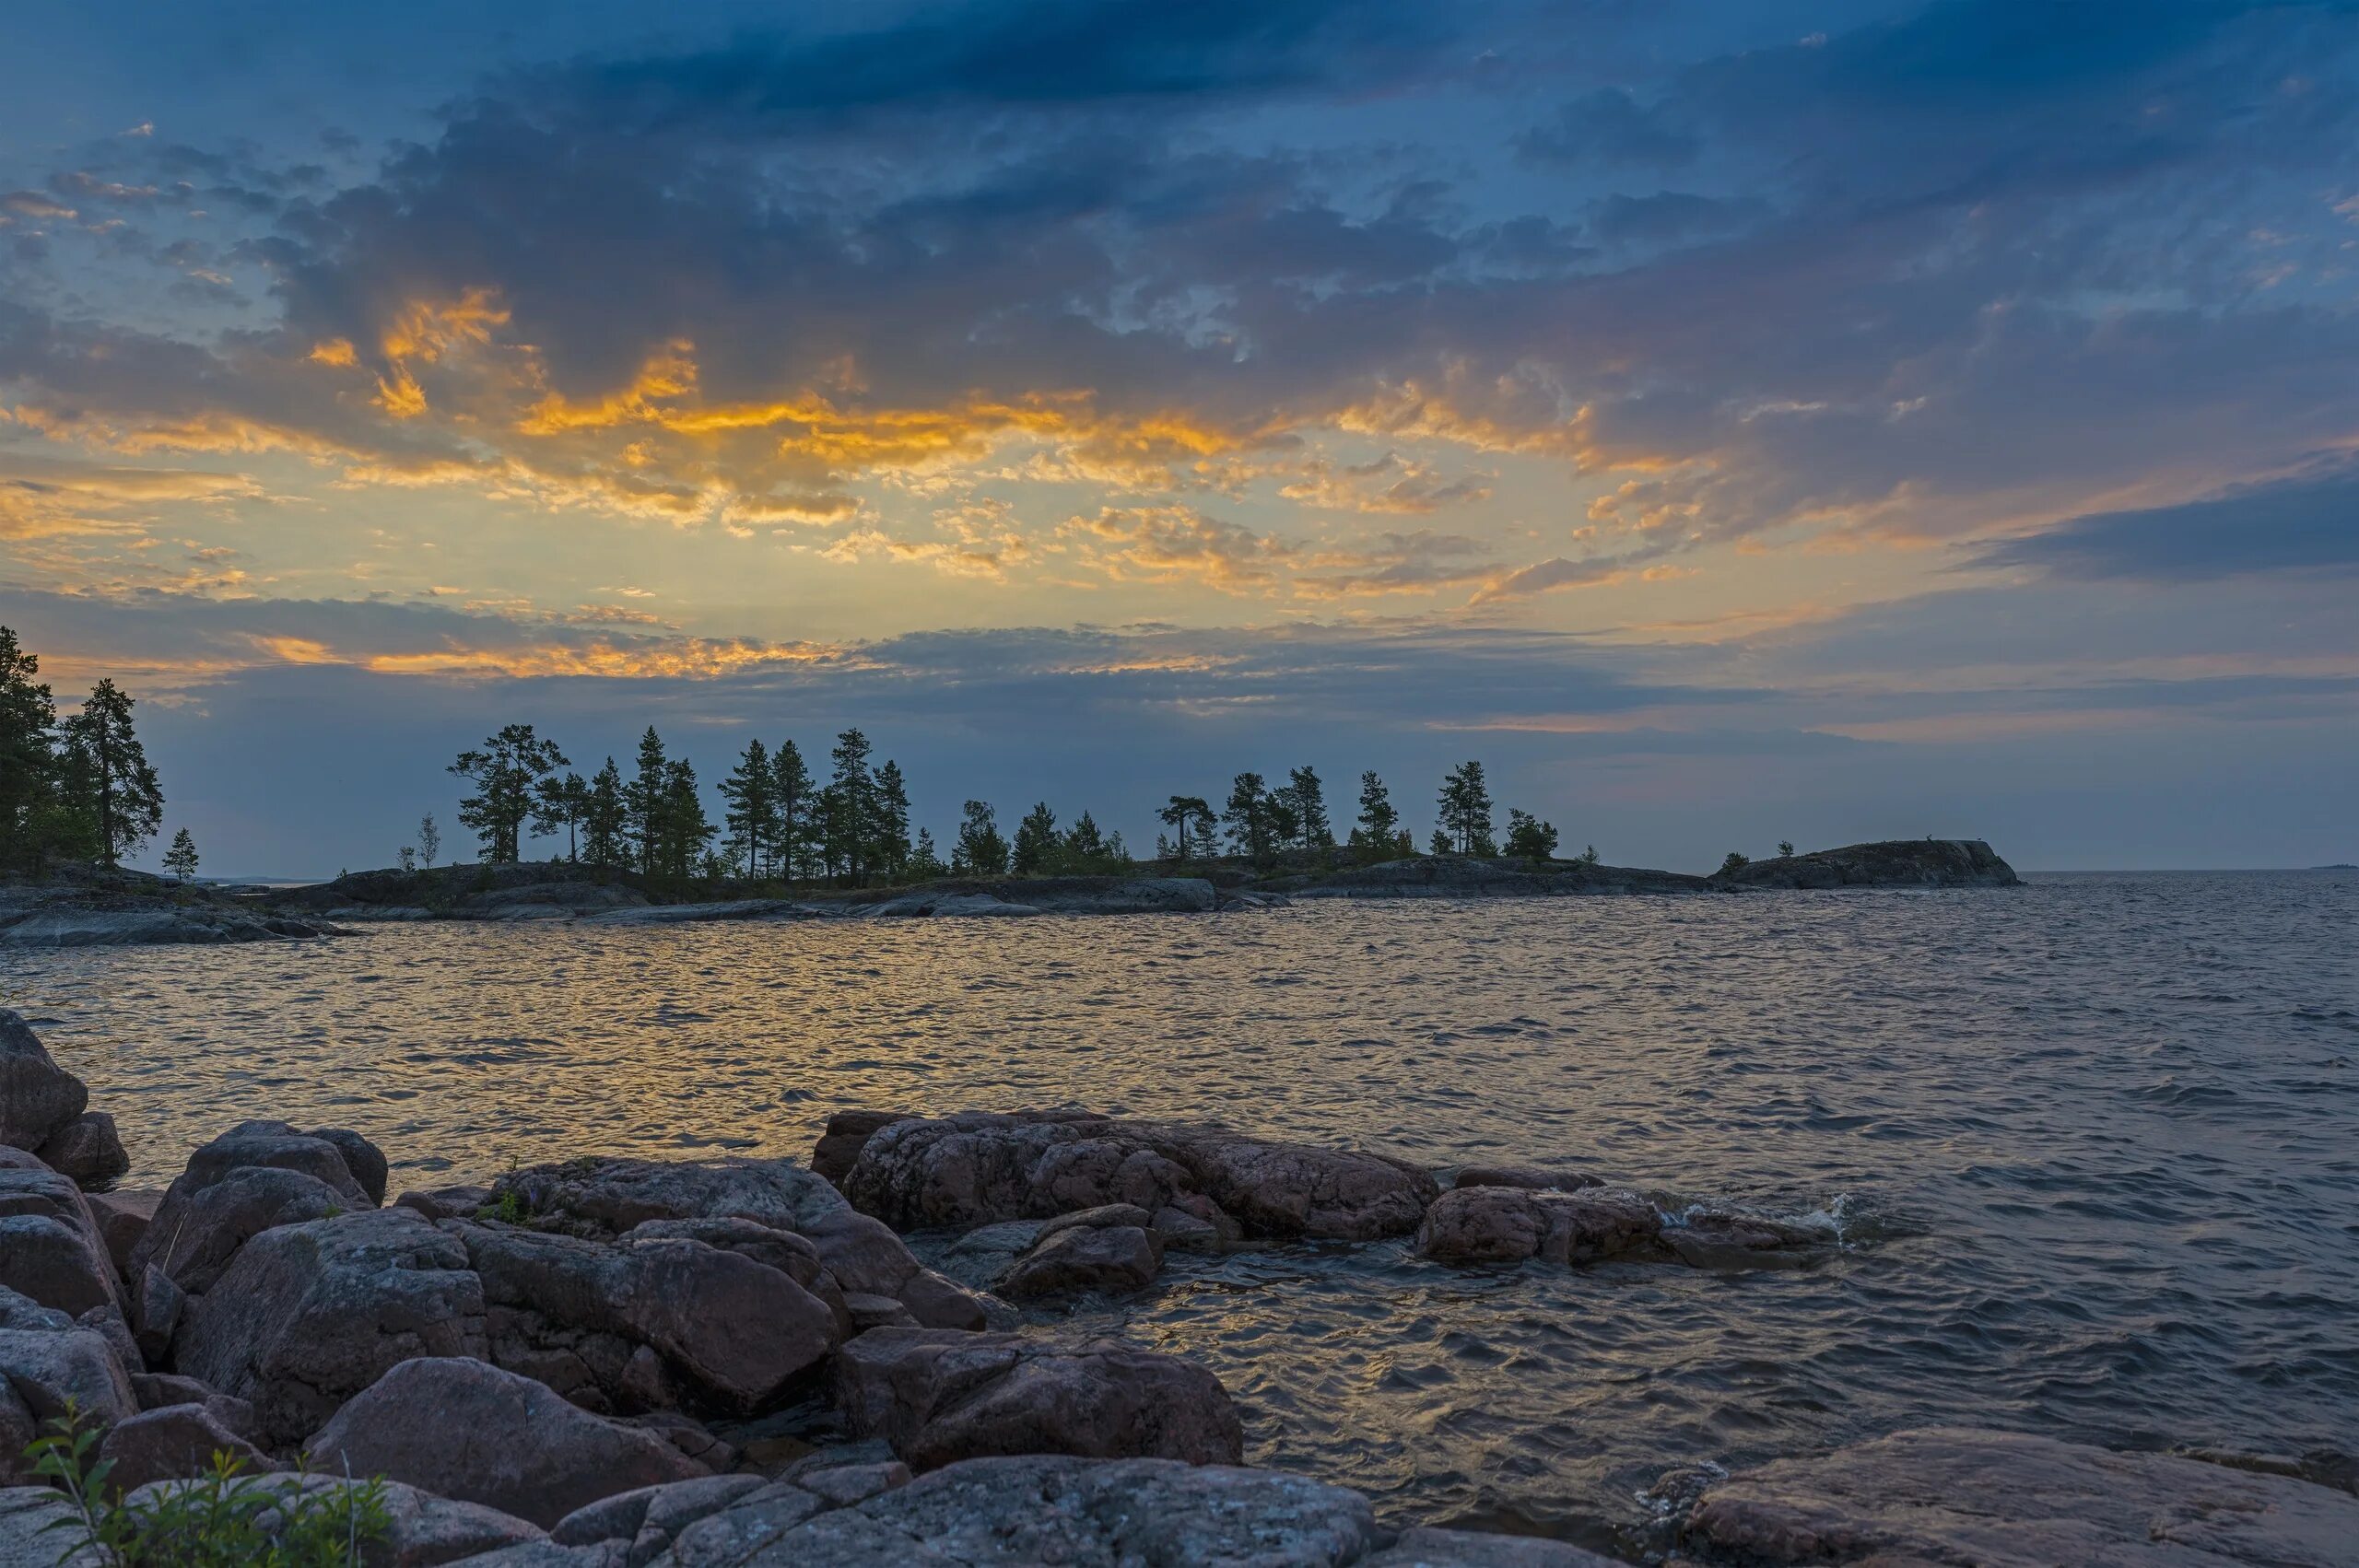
793 797
751 811
106 775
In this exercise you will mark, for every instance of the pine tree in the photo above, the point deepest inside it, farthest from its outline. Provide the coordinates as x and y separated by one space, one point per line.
792 795
925 860
429 839
1250 821
28 799
1036 839
1186 813
853 811
1380 824
180 859
683 831
505 772
1529 838
751 811
106 775
1306 799
560 803
982 851
606 819
889 822
643 801
1466 810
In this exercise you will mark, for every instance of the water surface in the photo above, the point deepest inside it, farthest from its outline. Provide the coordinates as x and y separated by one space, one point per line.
2092 1144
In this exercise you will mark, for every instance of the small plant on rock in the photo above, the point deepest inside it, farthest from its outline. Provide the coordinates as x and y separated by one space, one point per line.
222 1519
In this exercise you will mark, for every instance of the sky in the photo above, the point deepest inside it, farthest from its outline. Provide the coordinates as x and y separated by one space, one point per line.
1730 420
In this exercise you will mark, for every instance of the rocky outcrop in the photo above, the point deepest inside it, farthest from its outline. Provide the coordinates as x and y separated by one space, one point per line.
1454 876
38 1098
1897 862
307 1316
1951 1495
465 1430
939 1397
977 1169
86 906
1597 1224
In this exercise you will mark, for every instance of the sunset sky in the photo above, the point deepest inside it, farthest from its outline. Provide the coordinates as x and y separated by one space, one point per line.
1731 421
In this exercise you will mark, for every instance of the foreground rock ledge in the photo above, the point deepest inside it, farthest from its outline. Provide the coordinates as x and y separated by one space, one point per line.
2003 1500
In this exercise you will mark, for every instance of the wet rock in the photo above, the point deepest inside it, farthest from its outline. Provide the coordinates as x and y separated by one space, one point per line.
86 1149
122 1217
1720 1239
981 1257
176 1441
1556 1179
1112 1258
422 1530
1504 1225
464 1429
1426 1548
307 1316
940 1397
1957 1495
38 1097
978 1168
838 1147
734 1332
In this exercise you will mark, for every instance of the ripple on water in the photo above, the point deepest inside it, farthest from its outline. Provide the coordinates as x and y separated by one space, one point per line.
2086 1146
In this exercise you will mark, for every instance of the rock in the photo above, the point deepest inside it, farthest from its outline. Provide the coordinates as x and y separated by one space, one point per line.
1427 1548
55 1264
1502 1224
1721 1239
37 1096
840 1486
1958 1495
838 1147
735 1333
548 1554
86 1149
122 1217
46 1364
978 1168
326 1156
1537 1178
752 1530
1044 1509
422 1530
608 1195
307 1316
1114 1260
981 1257
1191 1231
160 1390
197 1229
36 1528
643 1522
157 1304
1897 862
938 1396
876 1312
462 1203
464 1429
173 1442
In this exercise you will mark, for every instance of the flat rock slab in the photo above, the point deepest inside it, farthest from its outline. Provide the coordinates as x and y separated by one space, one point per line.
2003 1500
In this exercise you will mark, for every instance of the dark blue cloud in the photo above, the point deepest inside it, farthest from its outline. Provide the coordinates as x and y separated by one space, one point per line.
2308 524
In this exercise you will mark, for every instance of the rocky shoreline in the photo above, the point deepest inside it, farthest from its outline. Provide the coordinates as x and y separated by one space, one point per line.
128 908
616 1362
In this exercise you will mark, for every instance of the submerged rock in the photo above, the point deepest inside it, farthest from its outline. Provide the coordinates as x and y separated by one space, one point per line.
940 1397
1556 1179
1503 1225
1112 1250
462 1429
1954 1495
977 1169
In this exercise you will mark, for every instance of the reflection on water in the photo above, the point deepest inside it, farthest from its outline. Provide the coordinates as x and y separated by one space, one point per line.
2092 1143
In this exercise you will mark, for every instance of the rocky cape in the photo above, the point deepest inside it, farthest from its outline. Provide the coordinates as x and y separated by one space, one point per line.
616 1362
88 907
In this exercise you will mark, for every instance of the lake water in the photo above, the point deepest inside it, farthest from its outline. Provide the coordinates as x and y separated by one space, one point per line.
2093 1143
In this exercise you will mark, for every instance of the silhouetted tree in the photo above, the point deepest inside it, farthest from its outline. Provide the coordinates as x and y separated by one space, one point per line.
504 770
180 859
605 818
1785 849
1466 810
1735 862
35 821
560 801
1306 799
1036 836
1192 818
851 813
429 838
982 851
106 775
796 800
889 826
682 830
1529 838
1378 828
925 861
643 801
750 808
1251 819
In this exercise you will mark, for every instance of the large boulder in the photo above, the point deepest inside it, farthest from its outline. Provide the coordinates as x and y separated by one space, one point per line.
328 1155
37 1096
254 1177
605 1197
38 1530
87 1149
1956 1495
172 1442
123 1216
464 1429
650 1321
308 1315
1112 1250
939 1396
51 1248
979 1168
49 1363
1501 1224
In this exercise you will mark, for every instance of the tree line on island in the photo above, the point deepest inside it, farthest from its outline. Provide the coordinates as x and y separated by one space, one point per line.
781 821
77 787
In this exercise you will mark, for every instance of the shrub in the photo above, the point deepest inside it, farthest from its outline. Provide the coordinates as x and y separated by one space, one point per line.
222 1519
1735 862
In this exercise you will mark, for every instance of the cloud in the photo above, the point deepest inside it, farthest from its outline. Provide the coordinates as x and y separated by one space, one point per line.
2309 523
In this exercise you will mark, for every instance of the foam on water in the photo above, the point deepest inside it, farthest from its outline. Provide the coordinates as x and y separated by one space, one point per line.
2090 1147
